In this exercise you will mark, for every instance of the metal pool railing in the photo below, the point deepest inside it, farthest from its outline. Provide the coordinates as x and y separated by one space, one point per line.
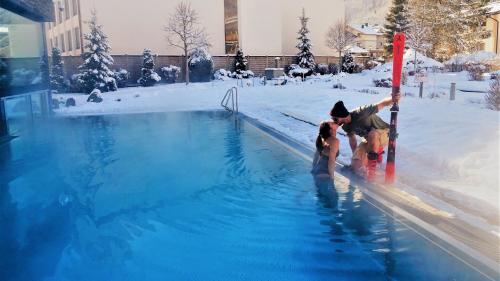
230 96
18 112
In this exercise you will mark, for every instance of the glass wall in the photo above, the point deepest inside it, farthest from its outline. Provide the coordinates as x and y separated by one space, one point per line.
231 25
23 72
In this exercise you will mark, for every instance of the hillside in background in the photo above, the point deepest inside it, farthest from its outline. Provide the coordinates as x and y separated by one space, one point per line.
367 11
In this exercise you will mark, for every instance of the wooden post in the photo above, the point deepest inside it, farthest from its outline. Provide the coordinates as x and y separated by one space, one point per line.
452 91
421 90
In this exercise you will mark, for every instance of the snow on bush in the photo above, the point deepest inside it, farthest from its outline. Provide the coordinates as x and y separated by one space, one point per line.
333 68
170 73
481 57
200 65
121 76
383 83
322 69
492 98
149 76
222 74
476 71
296 71
371 64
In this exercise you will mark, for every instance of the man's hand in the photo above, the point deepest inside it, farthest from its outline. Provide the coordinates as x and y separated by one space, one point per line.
389 101
396 97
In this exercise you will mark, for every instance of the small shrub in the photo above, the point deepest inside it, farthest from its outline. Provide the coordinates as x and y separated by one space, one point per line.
476 71
149 76
348 64
121 76
286 69
383 83
200 66
333 68
436 95
371 64
297 71
322 69
492 98
358 68
170 73
77 85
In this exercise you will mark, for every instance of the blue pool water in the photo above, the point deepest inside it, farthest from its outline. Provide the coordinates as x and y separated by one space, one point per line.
190 196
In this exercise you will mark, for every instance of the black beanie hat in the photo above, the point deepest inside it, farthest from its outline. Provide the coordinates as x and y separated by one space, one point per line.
339 110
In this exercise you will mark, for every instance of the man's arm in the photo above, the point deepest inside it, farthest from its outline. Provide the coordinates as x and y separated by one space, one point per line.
353 142
388 101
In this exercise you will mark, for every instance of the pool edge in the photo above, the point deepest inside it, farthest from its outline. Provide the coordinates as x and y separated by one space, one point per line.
387 204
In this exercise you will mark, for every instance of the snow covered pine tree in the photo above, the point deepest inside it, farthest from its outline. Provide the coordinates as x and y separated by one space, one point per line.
397 21
348 64
149 76
240 62
57 75
305 58
95 70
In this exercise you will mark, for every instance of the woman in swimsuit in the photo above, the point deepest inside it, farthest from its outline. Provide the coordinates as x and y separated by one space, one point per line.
327 150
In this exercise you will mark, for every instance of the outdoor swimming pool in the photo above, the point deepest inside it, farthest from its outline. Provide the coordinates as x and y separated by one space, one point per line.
190 196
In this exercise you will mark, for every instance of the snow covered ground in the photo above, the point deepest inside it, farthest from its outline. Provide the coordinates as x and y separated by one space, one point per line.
447 151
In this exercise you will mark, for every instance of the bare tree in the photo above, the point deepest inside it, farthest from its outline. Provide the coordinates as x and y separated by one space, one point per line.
339 38
418 31
184 32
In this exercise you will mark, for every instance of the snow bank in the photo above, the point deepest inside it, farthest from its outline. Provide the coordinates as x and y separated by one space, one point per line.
480 57
408 58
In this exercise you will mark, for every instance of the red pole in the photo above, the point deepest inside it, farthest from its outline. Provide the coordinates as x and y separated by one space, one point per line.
397 67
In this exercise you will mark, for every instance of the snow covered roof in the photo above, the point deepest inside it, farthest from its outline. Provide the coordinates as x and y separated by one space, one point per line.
408 57
358 50
494 7
367 29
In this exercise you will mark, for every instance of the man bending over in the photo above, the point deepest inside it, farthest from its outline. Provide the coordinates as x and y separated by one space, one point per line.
364 122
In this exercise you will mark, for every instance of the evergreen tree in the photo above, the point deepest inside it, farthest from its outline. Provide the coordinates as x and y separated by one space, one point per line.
149 76
305 57
348 64
44 70
455 26
95 70
57 75
397 21
240 62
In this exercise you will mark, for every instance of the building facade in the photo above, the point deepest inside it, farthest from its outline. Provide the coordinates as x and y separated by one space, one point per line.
259 27
369 37
491 44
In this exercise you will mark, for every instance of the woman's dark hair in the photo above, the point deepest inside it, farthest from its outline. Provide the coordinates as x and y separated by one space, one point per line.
324 133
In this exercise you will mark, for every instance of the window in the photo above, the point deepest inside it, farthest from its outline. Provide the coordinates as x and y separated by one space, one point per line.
77 38
70 41
231 25
74 5
66 8
59 12
63 46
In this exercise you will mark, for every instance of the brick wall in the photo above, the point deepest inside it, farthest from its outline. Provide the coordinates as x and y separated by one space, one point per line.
133 63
